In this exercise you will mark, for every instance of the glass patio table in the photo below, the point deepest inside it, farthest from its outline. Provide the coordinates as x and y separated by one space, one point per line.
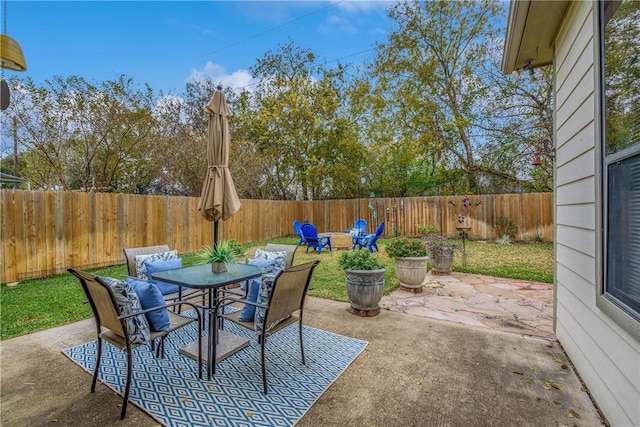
201 277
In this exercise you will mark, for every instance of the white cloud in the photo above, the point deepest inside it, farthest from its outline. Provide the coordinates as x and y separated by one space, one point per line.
359 6
338 23
238 80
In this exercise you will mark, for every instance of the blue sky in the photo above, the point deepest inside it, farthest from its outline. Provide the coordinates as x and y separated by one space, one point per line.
165 43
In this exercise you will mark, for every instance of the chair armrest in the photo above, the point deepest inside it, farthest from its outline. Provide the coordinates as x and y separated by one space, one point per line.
222 302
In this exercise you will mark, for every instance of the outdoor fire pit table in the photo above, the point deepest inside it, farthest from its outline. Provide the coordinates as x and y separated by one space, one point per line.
340 240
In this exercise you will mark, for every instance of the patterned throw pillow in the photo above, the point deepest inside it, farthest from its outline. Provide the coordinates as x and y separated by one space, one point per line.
139 260
268 277
128 302
249 311
280 257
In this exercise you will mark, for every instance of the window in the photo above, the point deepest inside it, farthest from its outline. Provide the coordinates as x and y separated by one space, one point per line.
620 44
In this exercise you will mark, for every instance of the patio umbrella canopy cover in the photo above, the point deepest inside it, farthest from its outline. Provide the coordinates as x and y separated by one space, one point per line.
219 199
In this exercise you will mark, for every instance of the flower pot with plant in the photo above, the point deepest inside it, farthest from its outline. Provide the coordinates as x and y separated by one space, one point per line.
364 275
410 262
219 255
441 253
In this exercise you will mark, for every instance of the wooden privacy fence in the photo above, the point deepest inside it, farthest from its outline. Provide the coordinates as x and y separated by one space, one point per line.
45 232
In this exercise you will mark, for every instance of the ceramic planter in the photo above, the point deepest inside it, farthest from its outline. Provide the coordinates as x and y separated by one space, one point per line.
411 272
441 264
365 288
218 267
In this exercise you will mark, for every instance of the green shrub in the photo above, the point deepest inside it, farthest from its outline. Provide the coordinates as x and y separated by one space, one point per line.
440 245
405 247
505 227
426 230
504 240
538 237
361 259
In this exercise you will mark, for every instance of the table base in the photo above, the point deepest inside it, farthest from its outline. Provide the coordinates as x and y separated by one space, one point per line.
228 344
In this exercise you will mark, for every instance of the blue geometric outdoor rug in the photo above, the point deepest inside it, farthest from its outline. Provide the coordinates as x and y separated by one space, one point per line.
169 389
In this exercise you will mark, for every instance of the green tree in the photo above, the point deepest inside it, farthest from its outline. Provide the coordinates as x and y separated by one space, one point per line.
297 123
75 135
429 90
516 118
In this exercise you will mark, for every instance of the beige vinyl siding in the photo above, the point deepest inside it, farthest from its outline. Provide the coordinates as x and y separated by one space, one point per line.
582 240
607 357
576 216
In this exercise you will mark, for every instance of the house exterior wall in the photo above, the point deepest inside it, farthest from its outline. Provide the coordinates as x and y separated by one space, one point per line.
605 355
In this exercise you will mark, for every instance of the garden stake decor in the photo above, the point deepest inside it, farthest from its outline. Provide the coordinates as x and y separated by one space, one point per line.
464 221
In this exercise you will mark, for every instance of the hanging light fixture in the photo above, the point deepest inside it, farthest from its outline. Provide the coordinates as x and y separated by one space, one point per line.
547 151
11 56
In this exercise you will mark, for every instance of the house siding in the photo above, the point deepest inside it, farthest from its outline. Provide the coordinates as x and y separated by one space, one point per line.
604 354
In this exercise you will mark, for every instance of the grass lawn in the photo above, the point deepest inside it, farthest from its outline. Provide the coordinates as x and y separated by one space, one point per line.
39 304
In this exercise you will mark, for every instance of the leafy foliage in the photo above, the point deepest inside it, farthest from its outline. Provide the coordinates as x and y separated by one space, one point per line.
425 230
504 240
440 245
432 114
76 135
360 259
505 226
405 247
225 251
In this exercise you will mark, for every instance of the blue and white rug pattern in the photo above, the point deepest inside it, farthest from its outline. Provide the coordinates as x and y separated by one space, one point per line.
169 389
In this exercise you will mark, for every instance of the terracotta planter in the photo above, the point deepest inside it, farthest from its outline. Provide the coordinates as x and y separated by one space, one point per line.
441 264
411 272
365 288
219 267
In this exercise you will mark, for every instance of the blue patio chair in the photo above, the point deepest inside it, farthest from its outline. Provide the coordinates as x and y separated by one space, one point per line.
360 225
314 241
369 240
298 228
359 228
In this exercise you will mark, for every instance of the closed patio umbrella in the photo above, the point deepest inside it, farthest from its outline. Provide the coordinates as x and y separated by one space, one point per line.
219 199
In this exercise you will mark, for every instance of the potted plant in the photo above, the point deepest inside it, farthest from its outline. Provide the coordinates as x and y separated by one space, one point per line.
441 253
364 275
220 255
410 262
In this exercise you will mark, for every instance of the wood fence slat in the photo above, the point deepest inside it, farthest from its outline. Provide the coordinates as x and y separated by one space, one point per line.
20 235
8 236
49 222
44 233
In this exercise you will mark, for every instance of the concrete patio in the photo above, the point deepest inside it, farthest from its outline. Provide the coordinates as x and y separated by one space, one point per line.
417 370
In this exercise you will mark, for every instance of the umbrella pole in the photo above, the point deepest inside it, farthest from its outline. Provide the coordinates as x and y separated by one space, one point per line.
215 233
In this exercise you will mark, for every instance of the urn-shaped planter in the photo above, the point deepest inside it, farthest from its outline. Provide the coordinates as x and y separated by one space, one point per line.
411 272
365 289
441 264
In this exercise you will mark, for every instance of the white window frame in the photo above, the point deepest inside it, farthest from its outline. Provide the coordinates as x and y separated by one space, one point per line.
627 319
